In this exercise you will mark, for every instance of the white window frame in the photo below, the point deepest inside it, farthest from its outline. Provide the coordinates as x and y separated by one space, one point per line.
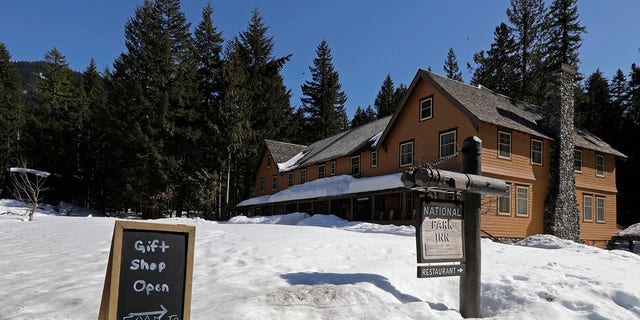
599 165
406 152
507 195
374 159
274 182
321 171
269 161
600 207
577 160
536 152
587 206
333 168
506 153
454 143
422 108
303 176
355 168
290 179
520 201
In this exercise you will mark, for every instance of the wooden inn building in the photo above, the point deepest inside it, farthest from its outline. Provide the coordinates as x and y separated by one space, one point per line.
356 174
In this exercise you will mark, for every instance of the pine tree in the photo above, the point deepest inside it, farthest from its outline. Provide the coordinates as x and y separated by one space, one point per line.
451 69
323 100
385 102
598 114
56 123
399 93
633 97
496 67
11 111
363 116
527 27
564 34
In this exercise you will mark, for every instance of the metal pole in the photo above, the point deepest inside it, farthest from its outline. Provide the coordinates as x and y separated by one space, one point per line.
470 284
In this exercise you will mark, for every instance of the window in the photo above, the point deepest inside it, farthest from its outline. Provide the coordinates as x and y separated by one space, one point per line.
303 176
321 171
504 202
261 184
333 168
374 159
536 151
504 145
426 108
290 179
406 153
600 209
268 161
587 207
522 201
274 182
577 160
447 143
355 166
599 165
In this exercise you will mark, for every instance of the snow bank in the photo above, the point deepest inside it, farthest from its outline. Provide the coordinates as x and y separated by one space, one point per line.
325 220
545 241
286 219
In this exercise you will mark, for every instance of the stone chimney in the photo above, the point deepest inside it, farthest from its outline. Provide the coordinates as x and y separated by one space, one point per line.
561 215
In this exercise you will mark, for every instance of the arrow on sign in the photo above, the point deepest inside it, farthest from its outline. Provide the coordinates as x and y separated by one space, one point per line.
159 314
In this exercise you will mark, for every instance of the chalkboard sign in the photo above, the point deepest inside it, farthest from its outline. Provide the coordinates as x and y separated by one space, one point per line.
149 272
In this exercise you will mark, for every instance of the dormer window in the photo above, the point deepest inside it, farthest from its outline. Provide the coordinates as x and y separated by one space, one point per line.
426 108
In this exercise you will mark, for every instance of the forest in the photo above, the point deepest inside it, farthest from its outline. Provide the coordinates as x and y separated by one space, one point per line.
177 122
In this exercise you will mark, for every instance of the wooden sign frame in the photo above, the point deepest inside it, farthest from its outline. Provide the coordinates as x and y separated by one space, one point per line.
110 293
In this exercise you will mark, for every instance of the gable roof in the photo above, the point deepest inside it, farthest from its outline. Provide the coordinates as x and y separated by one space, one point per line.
339 145
282 151
480 104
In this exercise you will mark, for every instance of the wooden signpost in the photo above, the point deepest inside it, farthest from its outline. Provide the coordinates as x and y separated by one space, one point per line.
149 272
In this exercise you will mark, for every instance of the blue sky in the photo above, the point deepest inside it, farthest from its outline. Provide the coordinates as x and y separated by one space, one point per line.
368 39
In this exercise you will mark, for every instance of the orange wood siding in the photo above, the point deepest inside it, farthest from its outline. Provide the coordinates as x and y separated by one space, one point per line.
266 173
594 230
588 178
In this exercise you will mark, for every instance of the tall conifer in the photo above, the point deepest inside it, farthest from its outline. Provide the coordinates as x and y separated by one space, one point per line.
11 111
564 34
451 68
323 98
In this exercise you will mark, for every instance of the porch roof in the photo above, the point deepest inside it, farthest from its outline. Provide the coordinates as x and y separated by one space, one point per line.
329 187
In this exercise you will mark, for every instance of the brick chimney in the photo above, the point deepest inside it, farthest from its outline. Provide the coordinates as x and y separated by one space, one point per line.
561 215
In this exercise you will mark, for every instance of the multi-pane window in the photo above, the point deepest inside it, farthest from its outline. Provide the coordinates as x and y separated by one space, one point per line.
406 153
303 176
333 168
290 179
447 143
426 108
261 184
321 171
599 165
374 159
504 202
587 207
522 201
504 144
355 166
577 160
536 151
274 182
600 209
268 161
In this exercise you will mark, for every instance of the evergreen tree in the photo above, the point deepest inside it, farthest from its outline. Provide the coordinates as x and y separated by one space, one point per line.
629 170
619 90
363 116
11 112
527 27
564 34
399 93
495 69
385 102
323 100
56 123
451 69
598 115
633 96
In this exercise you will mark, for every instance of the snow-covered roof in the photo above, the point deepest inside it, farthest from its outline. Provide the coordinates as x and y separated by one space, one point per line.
329 187
38 173
631 231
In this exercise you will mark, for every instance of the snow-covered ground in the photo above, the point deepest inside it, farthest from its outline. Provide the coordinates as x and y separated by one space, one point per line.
301 267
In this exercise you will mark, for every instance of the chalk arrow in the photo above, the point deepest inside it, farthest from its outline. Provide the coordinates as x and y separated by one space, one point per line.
159 314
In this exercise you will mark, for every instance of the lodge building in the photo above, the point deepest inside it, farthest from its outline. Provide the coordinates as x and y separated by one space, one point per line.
356 174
